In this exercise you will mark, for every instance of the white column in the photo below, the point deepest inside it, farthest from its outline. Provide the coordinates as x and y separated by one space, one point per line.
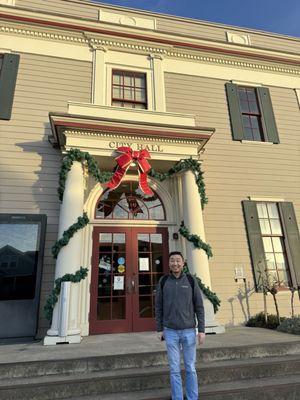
158 83
193 220
99 75
69 257
196 258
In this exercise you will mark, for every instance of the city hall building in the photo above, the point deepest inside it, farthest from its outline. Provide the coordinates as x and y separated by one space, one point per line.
109 105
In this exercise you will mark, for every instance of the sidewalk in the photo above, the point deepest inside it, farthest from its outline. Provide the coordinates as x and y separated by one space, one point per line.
129 343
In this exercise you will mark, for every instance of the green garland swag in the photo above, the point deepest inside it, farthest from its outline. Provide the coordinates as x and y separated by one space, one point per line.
195 239
216 302
185 165
81 223
78 155
53 297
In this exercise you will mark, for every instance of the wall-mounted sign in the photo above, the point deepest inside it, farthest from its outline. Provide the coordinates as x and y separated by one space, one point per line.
137 146
144 264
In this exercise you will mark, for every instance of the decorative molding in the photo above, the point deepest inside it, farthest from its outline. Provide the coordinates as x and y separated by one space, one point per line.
238 38
128 46
256 142
121 136
127 20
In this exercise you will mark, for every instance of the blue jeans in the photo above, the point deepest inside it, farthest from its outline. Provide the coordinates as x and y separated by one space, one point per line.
176 340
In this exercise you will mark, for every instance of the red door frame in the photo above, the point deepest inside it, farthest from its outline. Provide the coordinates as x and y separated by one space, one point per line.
132 322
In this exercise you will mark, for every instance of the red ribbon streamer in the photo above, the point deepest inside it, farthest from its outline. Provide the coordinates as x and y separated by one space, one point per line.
124 160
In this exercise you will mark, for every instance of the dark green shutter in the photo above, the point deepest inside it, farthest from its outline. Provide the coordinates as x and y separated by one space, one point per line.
235 111
292 240
268 115
255 241
8 77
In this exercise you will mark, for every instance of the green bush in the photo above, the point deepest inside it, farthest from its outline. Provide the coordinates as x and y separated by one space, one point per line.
258 321
290 325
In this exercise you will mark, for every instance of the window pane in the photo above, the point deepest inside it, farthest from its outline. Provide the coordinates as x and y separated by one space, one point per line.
128 80
140 95
104 263
251 94
118 307
145 306
128 94
248 134
143 242
265 226
105 238
117 78
242 94
156 213
140 81
272 210
246 121
117 93
253 107
283 277
270 261
262 210
275 226
120 213
140 106
254 122
103 309
280 261
244 106
256 134
277 245
267 244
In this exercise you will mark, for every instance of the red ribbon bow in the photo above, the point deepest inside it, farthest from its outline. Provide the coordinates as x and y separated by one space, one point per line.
124 160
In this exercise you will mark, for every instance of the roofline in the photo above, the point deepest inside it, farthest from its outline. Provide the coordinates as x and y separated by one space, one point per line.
157 40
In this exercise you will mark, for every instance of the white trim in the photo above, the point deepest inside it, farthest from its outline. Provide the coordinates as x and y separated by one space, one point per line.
135 68
99 76
8 2
298 96
120 18
243 83
273 199
256 142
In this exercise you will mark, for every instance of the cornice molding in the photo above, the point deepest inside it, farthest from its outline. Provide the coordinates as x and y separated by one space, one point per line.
142 48
121 136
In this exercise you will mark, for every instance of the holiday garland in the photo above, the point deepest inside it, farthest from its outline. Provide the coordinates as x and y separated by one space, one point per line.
53 297
102 177
206 291
69 233
195 239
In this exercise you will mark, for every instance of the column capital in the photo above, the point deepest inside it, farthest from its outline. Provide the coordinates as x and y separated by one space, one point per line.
155 56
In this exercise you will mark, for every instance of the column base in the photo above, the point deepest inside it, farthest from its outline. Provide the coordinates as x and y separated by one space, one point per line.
52 340
211 325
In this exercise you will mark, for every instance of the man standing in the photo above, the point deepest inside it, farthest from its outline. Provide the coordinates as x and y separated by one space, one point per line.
178 300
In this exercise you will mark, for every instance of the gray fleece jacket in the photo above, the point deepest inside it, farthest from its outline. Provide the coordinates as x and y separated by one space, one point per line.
175 306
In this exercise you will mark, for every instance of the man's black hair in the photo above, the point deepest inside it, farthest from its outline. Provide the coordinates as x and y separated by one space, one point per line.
176 253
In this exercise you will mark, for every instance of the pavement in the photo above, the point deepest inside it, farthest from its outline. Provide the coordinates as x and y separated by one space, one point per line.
12 351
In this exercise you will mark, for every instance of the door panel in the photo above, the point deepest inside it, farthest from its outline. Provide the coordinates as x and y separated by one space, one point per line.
126 266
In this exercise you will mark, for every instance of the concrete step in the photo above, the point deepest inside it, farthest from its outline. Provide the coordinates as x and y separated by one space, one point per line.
84 365
284 388
142 379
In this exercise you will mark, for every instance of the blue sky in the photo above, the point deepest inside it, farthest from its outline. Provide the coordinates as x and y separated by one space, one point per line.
279 16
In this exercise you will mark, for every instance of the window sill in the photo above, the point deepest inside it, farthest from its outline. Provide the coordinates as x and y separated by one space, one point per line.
256 142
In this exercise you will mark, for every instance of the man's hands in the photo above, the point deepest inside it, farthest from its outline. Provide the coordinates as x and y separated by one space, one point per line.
201 338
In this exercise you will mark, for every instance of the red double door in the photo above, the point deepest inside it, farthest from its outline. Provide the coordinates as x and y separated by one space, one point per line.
126 266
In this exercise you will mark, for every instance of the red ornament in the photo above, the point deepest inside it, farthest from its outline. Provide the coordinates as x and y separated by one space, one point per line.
124 160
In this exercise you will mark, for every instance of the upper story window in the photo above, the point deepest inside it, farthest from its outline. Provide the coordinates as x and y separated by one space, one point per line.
128 202
251 113
129 89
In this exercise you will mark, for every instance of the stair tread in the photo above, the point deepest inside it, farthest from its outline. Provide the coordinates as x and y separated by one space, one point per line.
130 372
164 394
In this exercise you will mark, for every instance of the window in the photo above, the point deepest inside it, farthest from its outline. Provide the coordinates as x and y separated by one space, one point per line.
9 64
251 113
274 241
128 202
129 89
251 116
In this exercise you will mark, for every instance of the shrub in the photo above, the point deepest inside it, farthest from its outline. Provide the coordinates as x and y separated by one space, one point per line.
258 321
290 325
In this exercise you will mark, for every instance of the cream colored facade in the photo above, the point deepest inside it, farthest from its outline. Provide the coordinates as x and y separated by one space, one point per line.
66 63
